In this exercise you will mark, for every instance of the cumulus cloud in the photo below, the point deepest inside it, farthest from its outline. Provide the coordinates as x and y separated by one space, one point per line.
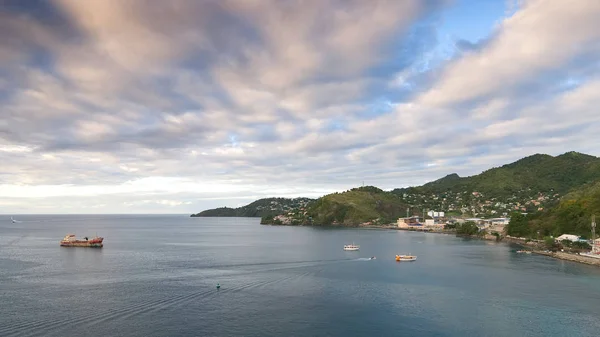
177 106
542 37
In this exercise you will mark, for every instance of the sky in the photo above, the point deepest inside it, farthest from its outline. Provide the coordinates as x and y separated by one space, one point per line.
131 106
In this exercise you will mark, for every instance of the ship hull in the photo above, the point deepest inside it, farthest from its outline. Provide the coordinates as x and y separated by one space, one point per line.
71 241
81 244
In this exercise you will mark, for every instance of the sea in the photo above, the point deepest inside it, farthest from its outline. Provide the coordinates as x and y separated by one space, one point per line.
157 275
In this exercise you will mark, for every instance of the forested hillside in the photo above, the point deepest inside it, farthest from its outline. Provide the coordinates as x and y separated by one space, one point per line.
258 208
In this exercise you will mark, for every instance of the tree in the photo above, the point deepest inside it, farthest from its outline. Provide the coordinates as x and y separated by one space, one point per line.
582 245
467 228
551 244
566 243
518 225
450 226
266 220
497 235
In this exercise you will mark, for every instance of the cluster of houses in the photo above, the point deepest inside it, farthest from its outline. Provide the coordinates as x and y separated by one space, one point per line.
438 222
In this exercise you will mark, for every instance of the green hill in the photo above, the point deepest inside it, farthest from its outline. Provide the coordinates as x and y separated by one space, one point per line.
258 208
531 184
572 215
357 206
539 172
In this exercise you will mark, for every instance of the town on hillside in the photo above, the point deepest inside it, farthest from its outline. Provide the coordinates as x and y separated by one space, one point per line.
478 204
438 221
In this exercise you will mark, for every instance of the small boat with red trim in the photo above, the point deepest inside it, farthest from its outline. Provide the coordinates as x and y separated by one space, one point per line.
71 241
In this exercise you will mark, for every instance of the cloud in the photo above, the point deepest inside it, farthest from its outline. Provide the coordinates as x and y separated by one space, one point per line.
543 36
155 106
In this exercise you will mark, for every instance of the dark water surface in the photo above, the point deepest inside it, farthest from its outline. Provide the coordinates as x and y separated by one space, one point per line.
156 276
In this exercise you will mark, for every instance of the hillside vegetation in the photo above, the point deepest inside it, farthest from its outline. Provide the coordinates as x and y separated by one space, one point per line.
365 205
572 215
357 206
531 184
540 172
258 208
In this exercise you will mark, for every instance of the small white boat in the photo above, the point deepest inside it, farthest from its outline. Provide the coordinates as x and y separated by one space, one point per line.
351 247
407 258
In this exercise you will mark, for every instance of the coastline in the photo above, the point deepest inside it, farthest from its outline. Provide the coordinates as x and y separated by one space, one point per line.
387 227
534 246
570 257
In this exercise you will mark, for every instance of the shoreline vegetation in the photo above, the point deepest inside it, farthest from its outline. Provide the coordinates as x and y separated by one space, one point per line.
539 248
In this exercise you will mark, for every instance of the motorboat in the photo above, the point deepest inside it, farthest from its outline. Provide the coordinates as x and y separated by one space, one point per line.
351 247
406 258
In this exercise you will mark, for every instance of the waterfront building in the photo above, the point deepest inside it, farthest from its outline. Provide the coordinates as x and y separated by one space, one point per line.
570 237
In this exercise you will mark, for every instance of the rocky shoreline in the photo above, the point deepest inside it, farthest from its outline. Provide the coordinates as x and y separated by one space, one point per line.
537 248
570 257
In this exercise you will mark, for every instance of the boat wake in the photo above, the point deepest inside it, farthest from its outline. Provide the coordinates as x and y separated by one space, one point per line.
270 265
13 241
43 327
139 308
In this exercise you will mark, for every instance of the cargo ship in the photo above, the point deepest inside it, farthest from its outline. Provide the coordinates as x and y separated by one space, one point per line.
70 241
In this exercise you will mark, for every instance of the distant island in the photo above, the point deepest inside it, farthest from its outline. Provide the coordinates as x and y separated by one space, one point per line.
555 195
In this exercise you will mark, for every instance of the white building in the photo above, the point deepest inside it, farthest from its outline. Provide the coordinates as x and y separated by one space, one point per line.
570 237
433 225
499 221
435 214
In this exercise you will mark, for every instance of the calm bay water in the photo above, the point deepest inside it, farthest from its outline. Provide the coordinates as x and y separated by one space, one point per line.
156 276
